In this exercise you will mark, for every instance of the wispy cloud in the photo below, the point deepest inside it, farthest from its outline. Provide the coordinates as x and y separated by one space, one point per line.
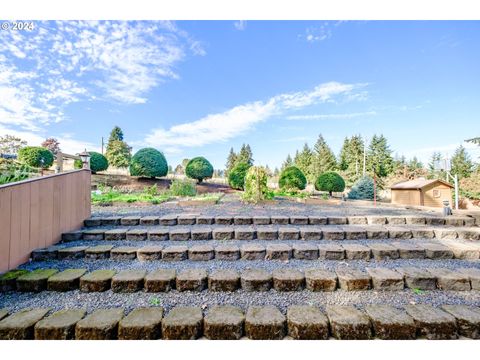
331 116
240 25
239 119
321 32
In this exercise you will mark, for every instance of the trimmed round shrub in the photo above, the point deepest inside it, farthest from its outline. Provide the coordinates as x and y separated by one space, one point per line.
331 182
98 162
236 177
36 156
362 189
256 184
199 169
292 178
148 162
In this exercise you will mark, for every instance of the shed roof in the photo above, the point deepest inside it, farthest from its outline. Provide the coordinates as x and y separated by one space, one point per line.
418 184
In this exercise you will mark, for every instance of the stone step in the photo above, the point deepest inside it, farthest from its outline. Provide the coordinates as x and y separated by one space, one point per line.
188 219
226 322
323 250
257 279
267 232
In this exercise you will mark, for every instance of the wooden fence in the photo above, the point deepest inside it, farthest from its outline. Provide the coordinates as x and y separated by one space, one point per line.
34 213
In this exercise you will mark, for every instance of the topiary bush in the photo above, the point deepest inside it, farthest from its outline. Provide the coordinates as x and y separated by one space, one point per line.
292 178
331 182
98 162
236 176
36 156
256 185
148 162
199 169
183 187
362 189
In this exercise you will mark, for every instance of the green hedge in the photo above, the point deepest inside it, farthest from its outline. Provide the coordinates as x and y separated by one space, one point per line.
236 177
199 169
36 156
98 162
292 178
148 162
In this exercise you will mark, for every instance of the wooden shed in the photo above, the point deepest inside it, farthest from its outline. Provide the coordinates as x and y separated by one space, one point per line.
422 192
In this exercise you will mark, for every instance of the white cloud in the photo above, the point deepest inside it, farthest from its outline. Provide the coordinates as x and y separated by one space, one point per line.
240 25
331 116
447 150
321 32
233 122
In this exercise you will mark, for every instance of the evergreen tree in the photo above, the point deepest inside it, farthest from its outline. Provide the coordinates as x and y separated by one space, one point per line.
461 164
323 160
276 172
231 161
245 155
434 173
344 158
379 158
118 152
287 163
303 160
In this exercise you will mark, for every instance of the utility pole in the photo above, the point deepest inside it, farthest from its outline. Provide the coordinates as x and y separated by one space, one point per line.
365 157
102 145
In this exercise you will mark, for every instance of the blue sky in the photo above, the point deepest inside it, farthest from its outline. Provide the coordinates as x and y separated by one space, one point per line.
193 88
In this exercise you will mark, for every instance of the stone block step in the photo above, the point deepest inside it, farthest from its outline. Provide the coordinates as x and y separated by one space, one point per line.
188 219
227 322
257 279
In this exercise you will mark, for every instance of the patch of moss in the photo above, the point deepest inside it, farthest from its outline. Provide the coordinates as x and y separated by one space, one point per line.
38 274
13 274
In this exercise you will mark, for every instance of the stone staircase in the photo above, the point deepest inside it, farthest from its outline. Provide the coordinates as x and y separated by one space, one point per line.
190 276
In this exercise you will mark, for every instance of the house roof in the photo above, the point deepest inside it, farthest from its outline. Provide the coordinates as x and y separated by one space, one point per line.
418 184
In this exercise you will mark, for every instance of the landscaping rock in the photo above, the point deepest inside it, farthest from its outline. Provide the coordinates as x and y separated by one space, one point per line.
201 234
201 253
98 252
223 234
253 252
280 220
468 319
472 234
223 220
437 251
409 251
123 253
72 236
168 220
317 220
353 232
141 324
127 281
267 233
386 279
35 281
422 232
59 326
305 252
433 323
464 251
102 324
45 254
256 280
92 222
288 234
436 221
115 234
186 220
416 278
278 252
376 220
183 323
160 280
395 220
192 280
67 280
356 220
390 323
288 280
454 221
415 220
205 220
331 252
337 220
265 323
159 234
446 233
474 276
224 323
20 326
377 232
71 253
227 252
130 220
174 253
223 280
450 279
311 233
8 281
261 220
348 323
307 323
149 253
353 279
320 280
333 233
357 252
247 233
111 221
179 234
137 235
242 220
96 281
149 220
384 252
398 232
299 220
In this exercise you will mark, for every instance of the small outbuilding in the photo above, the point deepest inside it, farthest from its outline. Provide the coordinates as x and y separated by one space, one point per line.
422 192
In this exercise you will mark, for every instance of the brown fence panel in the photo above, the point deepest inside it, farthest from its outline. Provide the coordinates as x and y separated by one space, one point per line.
34 213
